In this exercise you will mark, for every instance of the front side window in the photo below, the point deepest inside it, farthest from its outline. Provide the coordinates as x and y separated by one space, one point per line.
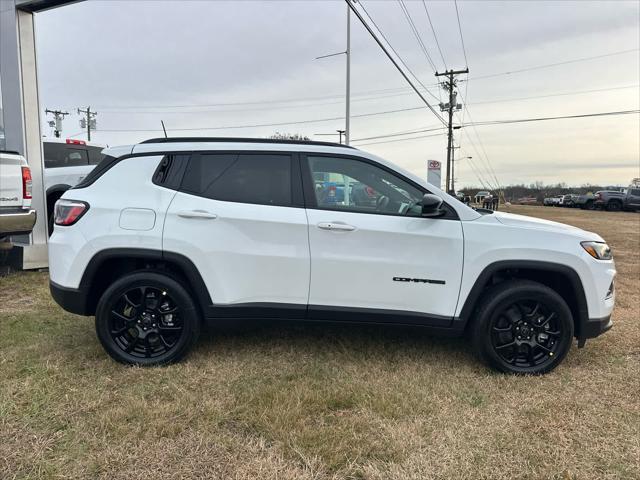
263 179
353 185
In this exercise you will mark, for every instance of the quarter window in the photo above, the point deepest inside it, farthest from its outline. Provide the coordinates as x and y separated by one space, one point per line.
353 185
263 179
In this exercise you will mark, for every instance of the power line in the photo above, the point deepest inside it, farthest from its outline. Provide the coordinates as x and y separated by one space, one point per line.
548 65
384 49
464 50
560 117
435 37
278 124
491 172
262 102
563 94
401 139
416 34
397 134
388 95
495 122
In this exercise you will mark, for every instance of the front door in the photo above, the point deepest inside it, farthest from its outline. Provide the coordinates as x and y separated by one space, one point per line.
373 257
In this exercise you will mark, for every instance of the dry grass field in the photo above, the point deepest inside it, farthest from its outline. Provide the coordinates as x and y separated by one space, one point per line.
302 402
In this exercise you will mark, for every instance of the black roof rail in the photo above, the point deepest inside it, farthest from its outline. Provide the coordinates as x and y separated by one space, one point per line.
12 152
241 140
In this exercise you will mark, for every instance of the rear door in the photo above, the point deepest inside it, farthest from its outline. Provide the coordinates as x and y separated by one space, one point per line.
373 257
240 218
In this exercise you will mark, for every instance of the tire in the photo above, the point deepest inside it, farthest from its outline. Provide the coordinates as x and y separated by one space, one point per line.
614 206
51 202
508 313
147 318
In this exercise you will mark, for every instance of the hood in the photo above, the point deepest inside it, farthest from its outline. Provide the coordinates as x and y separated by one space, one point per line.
522 221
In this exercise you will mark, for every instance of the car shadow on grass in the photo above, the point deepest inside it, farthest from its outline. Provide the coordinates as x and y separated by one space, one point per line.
297 338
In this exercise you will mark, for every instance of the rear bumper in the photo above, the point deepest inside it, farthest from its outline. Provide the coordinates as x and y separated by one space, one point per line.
19 222
593 327
70 299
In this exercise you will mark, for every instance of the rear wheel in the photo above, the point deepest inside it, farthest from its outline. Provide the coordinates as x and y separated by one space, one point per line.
147 318
523 327
614 206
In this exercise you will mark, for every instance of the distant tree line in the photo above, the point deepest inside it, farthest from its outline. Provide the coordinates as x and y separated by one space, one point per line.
540 191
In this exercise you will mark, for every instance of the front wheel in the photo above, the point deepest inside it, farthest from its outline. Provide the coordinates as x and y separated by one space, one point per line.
147 318
522 327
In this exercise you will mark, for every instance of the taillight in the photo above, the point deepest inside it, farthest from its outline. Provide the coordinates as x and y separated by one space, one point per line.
68 212
27 183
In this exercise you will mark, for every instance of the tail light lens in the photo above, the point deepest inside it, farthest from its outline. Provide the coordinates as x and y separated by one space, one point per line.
68 212
27 183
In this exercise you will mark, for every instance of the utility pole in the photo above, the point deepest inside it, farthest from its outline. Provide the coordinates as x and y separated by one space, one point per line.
347 53
88 120
56 123
347 129
450 107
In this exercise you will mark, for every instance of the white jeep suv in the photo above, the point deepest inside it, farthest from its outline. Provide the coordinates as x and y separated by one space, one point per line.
168 233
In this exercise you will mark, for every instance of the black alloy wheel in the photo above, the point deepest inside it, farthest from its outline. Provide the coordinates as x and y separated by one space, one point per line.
522 327
526 334
146 318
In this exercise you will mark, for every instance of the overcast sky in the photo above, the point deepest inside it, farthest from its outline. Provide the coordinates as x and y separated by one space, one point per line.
137 62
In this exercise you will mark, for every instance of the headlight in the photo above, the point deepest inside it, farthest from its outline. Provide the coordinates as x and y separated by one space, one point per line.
598 250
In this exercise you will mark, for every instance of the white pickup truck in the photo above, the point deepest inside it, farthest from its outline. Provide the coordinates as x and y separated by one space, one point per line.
16 215
66 163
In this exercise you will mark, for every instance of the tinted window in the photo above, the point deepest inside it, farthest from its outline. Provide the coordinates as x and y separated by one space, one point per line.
353 185
247 178
205 169
635 192
61 155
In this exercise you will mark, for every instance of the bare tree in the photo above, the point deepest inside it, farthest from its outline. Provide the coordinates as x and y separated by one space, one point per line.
289 136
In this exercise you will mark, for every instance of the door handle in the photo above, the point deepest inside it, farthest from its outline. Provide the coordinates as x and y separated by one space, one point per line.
197 214
342 227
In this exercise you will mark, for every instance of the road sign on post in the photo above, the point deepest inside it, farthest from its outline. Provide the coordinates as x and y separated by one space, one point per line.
434 173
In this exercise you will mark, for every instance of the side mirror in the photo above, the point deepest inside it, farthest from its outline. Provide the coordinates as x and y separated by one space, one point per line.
431 206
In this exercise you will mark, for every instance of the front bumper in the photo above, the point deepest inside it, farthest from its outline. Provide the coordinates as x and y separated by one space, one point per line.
593 327
18 222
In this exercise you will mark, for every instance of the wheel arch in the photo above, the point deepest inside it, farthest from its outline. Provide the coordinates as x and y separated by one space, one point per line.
561 278
57 188
107 265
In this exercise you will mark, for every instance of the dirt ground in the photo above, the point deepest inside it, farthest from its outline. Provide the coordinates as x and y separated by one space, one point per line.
302 402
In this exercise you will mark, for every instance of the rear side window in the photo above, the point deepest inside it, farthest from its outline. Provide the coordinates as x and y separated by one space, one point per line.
263 179
95 155
58 155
